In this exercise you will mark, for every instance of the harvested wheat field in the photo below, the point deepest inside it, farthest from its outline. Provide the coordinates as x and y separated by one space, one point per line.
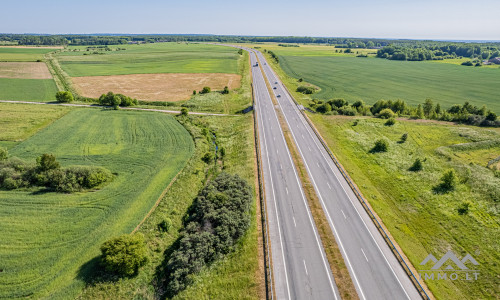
155 87
33 47
24 70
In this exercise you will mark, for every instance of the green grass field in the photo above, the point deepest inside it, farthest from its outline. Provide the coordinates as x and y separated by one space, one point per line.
42 90
151 58
48 240
20 121
420 220
340 75
23 54
236 276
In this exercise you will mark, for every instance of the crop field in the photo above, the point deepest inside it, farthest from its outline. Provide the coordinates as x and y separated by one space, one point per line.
24 53
421 220
151 59
371 79
48 241
28 89
24 70
20 121
155 87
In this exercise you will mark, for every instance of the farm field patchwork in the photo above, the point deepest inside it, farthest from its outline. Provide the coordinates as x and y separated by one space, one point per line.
49 240
24 70
421 220
371 79
155 87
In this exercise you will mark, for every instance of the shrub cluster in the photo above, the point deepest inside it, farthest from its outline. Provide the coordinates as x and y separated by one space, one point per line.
218 218
124 255
305 89
16 173
64 97
115 100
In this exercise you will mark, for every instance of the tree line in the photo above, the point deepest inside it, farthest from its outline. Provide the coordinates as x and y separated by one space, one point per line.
339 42
419 52
466 113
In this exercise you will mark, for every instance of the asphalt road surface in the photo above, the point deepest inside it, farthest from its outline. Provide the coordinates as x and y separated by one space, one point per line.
374 269
300 267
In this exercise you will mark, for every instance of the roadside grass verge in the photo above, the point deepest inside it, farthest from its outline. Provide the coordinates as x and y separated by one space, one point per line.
421 221
49 241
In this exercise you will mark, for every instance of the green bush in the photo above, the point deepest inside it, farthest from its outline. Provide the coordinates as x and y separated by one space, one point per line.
386 113
207 158
448 181
184 111
417 165
47 162
305 90
225 91
390 122
165 225
64 97
404 137
124 255
116 100
205 90
4 154
463 209
380 146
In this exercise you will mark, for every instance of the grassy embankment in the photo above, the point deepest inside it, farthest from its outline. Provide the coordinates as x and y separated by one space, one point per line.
371 79
50 240
421 220
26 89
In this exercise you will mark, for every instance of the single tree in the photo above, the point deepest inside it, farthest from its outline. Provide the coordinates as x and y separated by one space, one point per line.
491 116
116 101
4 154
47 162
420 112
380 146
417 165
124 255
448 180
184 111
390 122
225 90
463 209
428 107
404 137
205 90
207 158
194 92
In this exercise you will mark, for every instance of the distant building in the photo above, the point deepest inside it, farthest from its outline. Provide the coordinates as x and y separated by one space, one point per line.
495 60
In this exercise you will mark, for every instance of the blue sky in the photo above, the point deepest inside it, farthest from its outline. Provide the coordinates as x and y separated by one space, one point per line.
417 19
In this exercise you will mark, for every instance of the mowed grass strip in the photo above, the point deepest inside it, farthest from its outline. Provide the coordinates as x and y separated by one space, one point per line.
422 221
150 59
42 90
372 79
46 239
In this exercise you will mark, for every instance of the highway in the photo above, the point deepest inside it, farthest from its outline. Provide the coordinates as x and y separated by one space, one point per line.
299 265
374 269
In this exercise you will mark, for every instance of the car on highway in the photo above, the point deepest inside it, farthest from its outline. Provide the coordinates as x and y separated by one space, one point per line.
274 88
275 82
278 95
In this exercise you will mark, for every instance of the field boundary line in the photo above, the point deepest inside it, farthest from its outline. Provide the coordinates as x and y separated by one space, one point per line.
162 195
399 254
